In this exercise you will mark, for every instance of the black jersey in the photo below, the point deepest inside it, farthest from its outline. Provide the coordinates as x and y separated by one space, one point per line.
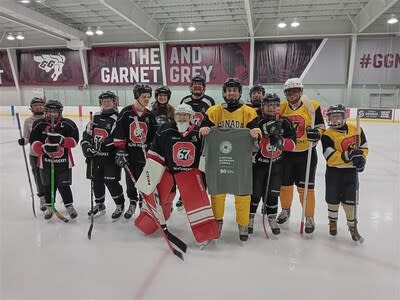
62 159
133 130
178 152
199 106
265 150
100 134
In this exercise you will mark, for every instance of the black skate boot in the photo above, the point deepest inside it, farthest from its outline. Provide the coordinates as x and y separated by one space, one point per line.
71 211
243 233
273 224
48 213
309 226
355 235
42 203
98 210
332 227
130 211
117 212
283 217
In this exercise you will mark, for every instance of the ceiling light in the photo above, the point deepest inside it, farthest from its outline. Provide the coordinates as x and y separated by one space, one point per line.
295 23
89 31
10 37
180 28
282 24
99 31
191 27
25 1
20 36
392 20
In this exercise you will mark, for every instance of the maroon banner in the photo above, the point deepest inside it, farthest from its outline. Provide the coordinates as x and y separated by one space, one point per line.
215 62
275 62
6 77
125 65
50 67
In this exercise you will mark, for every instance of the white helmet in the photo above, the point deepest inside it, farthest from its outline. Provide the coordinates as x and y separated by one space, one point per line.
184 109
293 83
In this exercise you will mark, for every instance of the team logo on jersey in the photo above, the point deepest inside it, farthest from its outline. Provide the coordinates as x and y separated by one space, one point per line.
49 62
198 118
99 135
348 143
298 124
183 154
138 134
194 139
225 147
267 150
59 153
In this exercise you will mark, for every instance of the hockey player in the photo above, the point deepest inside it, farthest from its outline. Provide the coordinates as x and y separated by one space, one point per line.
307 119
52 140
278 136
199 102
135 129
161 109
232 114
37 108
177 146
98 148
257 93
345 151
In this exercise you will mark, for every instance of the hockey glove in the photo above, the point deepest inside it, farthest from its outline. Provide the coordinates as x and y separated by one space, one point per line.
21 141
313 134
55 138
277 141
88 150
121 158
359 163
351 154
50 148
273 128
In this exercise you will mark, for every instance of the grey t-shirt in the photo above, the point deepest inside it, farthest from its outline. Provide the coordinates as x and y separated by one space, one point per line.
228 163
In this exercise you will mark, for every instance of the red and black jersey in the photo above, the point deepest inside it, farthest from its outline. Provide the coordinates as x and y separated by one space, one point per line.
133 130
63 157
199 106
266 151
178 152
100 134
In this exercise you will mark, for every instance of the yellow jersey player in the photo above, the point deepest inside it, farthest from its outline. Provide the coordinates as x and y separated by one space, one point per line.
232 114
345 150
306 117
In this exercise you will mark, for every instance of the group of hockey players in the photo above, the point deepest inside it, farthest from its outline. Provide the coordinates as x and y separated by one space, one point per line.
162 146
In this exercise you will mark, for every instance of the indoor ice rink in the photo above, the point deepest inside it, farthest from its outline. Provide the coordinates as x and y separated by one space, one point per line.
344 52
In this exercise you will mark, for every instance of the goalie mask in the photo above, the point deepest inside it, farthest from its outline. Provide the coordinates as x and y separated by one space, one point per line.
183 117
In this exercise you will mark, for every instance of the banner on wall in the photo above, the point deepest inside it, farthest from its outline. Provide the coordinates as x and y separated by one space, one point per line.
125 65
6 77
215 62
50 67
377 61
277 61
375 113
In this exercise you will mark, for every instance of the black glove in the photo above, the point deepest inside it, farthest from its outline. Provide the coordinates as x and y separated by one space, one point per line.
55 138
50 148
313 134
88 150
21 142
352 154
276 141
273 128
121 158
359 163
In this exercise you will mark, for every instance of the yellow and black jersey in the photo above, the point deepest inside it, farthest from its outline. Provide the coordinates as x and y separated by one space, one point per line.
241 117
301 119
336 141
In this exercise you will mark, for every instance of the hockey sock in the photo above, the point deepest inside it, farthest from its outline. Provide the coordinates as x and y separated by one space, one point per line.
286 196
349 211
242 205
333 211
218 205
310 205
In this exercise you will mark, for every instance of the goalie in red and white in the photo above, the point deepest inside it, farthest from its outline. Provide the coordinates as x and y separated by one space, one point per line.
174 156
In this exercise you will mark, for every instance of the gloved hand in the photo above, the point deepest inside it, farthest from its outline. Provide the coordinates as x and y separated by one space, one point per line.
50 148
55 138
121 158
352 154
277 141
88 150
359 163
21 142
273 128
313 134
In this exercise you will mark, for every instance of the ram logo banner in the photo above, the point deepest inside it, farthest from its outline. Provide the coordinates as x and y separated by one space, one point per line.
50 63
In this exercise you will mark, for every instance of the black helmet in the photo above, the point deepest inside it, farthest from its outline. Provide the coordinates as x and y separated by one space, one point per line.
163 90
257 87
37 100
271 97
107 94
337 108
141 88
198 78
54 104
232 82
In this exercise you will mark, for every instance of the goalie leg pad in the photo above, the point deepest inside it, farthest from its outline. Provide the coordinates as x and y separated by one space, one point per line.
197 205
150 177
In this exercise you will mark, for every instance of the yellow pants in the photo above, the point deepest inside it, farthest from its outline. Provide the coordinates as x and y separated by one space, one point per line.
286 197
242 206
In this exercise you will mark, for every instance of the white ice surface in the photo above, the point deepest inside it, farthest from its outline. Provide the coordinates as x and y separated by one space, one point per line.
41 260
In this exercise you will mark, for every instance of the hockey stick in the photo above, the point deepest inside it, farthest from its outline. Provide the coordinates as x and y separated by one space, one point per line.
307 177
358 138
169 237
266 193
26 166
91 185
52 183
